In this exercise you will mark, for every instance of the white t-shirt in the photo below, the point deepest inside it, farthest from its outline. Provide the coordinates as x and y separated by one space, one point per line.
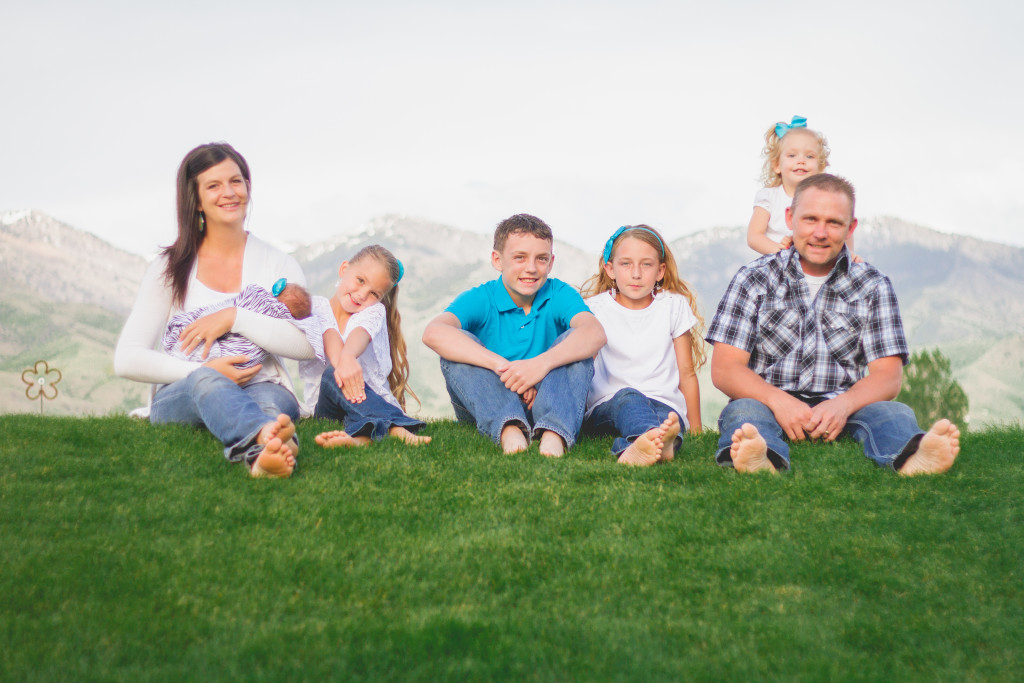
640 353
775 201
375 360
814 283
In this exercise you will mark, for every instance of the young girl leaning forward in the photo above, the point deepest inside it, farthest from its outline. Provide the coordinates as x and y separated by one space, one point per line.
645 378
792 152
366 381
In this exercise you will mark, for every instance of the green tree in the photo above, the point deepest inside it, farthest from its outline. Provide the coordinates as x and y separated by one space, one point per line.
929 388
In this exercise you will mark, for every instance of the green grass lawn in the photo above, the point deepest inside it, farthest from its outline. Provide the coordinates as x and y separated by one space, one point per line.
135 552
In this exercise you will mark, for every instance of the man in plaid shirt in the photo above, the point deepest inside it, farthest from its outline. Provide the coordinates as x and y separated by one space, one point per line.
809 344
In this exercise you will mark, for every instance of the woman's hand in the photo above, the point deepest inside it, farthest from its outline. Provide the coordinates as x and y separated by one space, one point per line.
226 367
349 376
207 330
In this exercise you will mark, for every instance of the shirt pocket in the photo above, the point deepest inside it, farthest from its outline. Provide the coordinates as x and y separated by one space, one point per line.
778 331
842 333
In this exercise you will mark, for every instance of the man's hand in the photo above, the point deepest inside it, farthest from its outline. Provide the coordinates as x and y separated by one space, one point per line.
791 413
207 330
226 367
828 419
521 375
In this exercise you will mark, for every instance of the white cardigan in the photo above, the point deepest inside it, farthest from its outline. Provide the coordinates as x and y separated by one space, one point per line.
139 355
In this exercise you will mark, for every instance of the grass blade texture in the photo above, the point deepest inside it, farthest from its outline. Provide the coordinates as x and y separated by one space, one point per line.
136 552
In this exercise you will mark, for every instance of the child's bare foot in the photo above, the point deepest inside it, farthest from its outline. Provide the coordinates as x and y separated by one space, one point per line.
339 439
646 449
671 426
513 440
937 451
551 444
275 461
407 436
749 451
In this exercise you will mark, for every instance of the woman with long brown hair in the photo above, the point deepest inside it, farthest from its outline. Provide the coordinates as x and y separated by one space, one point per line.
250 410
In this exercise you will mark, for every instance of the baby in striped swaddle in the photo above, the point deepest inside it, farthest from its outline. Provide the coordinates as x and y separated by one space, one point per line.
288 301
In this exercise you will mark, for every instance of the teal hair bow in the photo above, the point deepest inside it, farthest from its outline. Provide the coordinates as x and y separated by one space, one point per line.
783 128
279 286
607 254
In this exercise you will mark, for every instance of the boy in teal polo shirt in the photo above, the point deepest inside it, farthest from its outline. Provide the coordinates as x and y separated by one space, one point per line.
517 352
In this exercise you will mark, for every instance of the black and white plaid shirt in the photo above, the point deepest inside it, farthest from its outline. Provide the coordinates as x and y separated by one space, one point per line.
815 349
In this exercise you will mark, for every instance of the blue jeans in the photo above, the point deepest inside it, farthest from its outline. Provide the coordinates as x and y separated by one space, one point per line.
887 430
234 414
478 396
629 414
373 417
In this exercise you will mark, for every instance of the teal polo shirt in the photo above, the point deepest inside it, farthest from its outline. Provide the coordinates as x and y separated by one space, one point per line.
489 312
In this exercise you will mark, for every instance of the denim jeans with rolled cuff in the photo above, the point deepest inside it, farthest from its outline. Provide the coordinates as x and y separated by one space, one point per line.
373 417
234 414
479 397
887 430
628 414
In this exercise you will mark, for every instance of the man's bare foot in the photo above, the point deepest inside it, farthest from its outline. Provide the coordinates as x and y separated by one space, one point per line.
513 440
407 436
339 439
646 449
749 451
671 426
551 444
275 461
937 451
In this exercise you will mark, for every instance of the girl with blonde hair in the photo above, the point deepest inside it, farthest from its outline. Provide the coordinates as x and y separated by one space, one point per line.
645 386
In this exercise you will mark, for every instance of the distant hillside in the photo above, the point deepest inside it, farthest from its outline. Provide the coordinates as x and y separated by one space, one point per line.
65 297
69 293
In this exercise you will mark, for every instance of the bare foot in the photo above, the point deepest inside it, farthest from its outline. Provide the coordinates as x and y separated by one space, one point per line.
939 448
339 439
551 444
283 428
671 426
513 440
749 451
646 449
275 461
407 436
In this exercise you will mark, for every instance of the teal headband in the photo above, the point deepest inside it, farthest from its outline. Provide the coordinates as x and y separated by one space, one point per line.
279 286
401 272
611 241
783 128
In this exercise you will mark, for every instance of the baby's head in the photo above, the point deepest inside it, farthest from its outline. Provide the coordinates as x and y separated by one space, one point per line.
792 152
295 298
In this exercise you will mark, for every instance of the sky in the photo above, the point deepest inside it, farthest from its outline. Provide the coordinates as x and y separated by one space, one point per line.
588 114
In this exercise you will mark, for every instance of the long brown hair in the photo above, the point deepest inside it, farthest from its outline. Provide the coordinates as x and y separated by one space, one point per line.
671 282
398 379
181 256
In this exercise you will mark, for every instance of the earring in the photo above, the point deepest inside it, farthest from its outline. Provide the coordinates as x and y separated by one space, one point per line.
202 222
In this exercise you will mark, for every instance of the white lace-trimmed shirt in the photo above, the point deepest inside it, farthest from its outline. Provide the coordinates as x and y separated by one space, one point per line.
375 360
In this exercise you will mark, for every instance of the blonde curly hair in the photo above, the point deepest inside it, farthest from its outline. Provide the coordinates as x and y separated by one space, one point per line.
772 152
